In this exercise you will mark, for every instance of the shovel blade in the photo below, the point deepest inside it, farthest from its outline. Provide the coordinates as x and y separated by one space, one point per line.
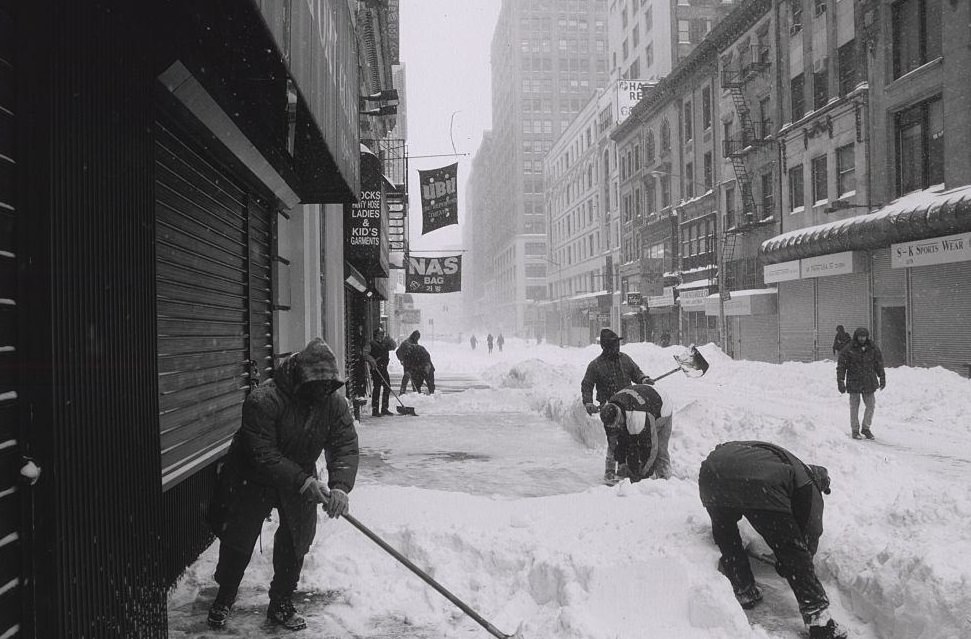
698 361
406 410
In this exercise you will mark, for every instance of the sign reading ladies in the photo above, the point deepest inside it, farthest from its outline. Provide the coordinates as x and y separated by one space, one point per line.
434 274
439 198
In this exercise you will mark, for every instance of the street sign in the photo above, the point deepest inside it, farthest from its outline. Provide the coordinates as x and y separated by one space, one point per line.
634 299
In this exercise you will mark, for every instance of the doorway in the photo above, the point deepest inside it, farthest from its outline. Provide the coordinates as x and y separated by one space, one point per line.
892 334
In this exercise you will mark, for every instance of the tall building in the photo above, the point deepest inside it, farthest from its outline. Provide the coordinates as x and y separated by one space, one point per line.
547 60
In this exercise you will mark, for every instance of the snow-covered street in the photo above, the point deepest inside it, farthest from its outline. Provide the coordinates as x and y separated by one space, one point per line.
496 492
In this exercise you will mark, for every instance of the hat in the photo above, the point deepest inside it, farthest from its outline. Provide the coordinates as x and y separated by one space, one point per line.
820 477
607 335
610 414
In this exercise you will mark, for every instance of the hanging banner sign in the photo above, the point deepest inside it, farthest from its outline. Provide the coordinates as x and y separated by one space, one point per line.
434 274
439 197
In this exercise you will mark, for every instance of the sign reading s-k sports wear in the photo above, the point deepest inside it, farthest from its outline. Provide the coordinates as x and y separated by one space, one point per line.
434 274
439 197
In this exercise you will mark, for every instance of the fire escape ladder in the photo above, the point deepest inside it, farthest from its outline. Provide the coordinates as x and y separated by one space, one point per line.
728 253
744 115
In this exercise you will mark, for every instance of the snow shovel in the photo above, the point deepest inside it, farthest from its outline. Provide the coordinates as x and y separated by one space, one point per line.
401 408
495 632
691 361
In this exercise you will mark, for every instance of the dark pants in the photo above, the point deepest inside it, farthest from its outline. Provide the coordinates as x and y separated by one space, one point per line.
423 375
286 567
794 562
379 387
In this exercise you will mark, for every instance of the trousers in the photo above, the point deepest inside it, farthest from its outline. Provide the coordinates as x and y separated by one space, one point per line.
870 402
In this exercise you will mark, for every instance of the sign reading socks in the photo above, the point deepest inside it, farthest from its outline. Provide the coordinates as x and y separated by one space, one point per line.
434 274
439 198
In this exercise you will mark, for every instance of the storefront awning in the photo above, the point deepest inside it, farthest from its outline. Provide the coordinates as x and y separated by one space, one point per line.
756 301
695 284
917 216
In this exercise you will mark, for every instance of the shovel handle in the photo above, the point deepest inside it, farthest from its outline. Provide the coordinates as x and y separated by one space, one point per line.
426 577
670 372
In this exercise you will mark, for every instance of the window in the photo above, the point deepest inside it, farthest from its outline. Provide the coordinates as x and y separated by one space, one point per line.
846 59
797 192
648 18
684 32
730 207
709 171
650 192
819 7
635 36
535 270
795 24
920 146
687 121
916 34
649 147
820 187
635 69
706 108
820 88
665 136
765 118
689 180
845 170
797 97
649 55
665 191
768 195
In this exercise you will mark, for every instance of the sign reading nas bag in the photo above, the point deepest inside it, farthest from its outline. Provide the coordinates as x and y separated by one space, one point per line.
434 274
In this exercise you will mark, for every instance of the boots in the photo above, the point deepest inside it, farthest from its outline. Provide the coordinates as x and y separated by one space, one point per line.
282 613
822 626
375 412
748 597
219 612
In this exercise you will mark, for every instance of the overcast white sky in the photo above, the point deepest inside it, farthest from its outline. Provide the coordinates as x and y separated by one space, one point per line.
445 50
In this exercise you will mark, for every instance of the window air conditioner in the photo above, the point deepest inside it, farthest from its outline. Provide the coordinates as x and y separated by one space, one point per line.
794 28
820 9
819 64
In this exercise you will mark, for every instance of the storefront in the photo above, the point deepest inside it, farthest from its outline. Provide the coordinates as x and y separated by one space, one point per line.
900 272
752 323
696 327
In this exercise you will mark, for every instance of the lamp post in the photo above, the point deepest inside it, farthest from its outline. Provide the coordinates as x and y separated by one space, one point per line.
719 265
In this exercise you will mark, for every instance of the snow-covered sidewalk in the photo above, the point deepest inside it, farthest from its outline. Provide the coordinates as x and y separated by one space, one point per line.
625 561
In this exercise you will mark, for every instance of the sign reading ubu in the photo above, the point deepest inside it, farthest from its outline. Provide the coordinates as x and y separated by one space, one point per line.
439 198
434 274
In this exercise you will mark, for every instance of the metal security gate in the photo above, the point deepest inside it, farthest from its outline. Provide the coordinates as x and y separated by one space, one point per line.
11 534
840 300
796 328
940 308
756 337
214 303
889 308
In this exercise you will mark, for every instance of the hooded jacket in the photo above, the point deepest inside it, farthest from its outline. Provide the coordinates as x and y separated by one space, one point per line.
276 449
860 366
753 475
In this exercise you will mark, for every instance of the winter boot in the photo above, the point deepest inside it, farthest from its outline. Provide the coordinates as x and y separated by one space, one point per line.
857 436
866 433
748 597
219 613
282 613
831 630
375 412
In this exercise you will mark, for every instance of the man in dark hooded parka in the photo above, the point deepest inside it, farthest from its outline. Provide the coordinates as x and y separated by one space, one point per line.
287 423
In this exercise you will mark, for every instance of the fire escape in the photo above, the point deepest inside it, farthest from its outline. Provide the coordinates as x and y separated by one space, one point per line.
751 136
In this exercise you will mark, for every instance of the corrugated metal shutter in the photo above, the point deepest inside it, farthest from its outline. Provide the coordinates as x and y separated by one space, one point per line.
11 550
840 299
796 321
940 311
887 282
213 280
756 338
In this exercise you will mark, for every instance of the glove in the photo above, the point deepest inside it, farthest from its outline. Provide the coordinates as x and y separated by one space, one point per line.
592 409
883 384
647 380
841 386
314 490
337 503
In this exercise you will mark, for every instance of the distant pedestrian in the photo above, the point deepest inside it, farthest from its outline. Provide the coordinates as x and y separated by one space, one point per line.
489 341
539 338
473 342
842 339
782 498
859 371
377 353
608 373
639 418
287 423
500 341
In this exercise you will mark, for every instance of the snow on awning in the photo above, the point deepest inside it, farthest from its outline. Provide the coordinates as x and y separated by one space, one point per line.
753 301
695 284
917 216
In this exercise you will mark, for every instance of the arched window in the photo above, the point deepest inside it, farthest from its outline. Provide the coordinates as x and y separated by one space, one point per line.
649 147
665 136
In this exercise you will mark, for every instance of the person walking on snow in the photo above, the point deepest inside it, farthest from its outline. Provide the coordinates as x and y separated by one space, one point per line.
377 352
473 342
859 371
782 498
608 373
842 339
287 422
500 341
489 340
639 418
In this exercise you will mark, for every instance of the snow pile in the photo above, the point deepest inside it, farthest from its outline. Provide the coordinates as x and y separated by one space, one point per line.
636 560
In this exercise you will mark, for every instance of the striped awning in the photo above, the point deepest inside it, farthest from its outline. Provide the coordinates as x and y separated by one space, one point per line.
916 216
